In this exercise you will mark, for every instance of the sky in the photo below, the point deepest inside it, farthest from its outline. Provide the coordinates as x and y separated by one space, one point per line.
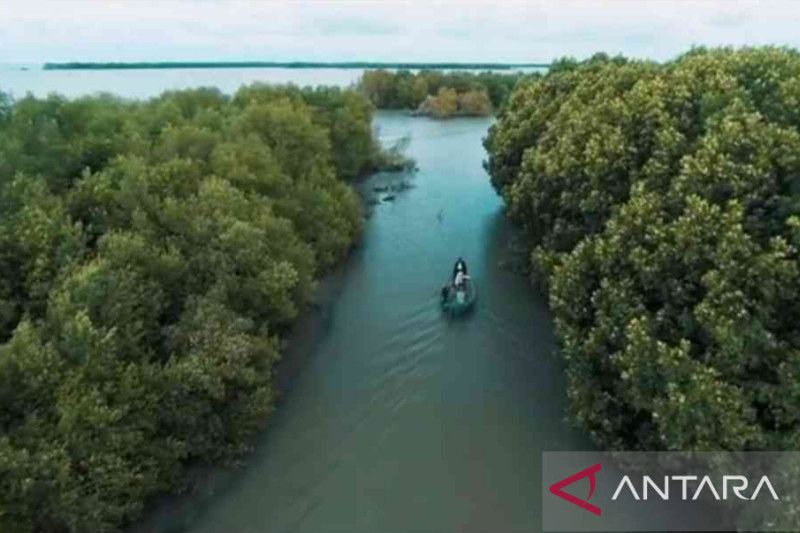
35 31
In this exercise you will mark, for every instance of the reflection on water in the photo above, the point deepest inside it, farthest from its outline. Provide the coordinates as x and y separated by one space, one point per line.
394 418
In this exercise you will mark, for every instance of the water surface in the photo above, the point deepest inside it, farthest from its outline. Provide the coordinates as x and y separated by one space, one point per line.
151 82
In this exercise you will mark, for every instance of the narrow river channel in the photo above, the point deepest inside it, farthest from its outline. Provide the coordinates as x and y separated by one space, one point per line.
395 419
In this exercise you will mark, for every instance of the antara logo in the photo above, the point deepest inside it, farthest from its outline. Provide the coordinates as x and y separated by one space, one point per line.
691 488
557 488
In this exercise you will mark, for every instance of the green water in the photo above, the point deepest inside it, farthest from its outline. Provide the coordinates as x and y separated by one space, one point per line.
395 419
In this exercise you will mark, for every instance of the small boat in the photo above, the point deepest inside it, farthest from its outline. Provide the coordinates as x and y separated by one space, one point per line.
388 198
456 302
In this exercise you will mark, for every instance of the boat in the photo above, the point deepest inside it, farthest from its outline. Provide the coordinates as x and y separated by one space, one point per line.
456 302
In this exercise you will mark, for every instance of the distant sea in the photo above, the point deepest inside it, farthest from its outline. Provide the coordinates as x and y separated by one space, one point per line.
19 79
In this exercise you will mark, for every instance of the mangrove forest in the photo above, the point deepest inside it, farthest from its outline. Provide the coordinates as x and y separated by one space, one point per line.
438 93
152 256
155 254
661 208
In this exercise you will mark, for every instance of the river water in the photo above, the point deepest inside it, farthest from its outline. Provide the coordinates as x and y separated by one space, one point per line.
395 419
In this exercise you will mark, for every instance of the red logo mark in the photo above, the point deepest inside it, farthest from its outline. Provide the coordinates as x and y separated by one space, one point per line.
556 488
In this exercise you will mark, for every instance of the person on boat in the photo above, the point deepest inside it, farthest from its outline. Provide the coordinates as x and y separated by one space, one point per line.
460 283
460 266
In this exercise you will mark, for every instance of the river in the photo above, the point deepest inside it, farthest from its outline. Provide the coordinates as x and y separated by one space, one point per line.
393 418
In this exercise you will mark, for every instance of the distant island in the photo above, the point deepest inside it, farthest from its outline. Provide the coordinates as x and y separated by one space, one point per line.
290 64
438 93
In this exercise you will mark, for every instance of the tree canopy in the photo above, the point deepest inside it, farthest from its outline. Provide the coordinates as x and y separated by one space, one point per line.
152 254
438 93
662 207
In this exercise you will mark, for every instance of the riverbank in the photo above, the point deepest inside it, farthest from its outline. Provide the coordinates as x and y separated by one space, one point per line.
667 230
154 282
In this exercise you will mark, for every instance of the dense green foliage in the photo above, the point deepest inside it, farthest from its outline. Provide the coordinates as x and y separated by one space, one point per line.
441 94
662 204
449 103
151 256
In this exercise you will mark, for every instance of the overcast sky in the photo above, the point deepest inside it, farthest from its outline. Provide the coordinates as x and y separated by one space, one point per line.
143 30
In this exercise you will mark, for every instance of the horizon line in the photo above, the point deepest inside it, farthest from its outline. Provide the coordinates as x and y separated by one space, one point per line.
422 65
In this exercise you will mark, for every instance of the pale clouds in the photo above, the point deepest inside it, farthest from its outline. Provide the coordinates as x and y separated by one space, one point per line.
95 30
